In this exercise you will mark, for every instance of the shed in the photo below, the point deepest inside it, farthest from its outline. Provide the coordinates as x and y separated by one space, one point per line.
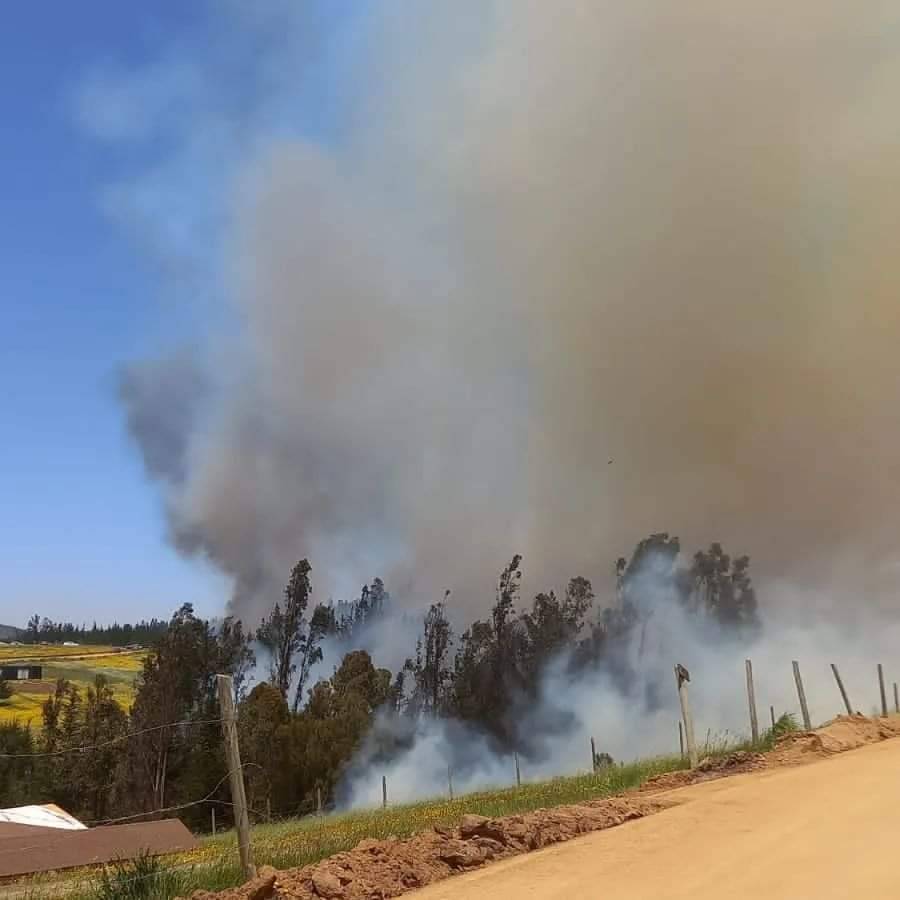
12 671
48 849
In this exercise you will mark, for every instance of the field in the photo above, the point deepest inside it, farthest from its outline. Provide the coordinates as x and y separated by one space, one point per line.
77 664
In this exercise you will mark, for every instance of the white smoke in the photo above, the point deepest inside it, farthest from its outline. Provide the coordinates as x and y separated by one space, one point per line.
639 720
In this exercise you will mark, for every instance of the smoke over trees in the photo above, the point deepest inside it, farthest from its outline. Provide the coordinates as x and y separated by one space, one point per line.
300 743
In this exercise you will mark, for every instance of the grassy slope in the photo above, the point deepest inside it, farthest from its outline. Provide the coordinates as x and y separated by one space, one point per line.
298 842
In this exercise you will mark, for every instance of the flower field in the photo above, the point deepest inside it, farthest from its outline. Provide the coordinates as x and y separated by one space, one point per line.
77 664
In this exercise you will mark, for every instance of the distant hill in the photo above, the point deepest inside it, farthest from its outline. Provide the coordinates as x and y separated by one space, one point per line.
11 633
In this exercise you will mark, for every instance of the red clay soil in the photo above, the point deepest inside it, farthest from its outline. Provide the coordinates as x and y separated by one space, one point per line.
378 870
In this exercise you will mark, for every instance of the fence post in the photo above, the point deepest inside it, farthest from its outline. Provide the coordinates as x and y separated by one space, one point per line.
384 791
881 689
318 800
896 699
772 714
235 774
681 738
450 780
751 699
593 756
682 677
840 684
213 817
804 709
518 773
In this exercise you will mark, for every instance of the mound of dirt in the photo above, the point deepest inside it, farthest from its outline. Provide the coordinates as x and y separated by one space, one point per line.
842 733
707 769
376 870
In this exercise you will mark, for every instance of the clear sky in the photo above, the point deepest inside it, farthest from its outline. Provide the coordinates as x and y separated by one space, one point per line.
122 125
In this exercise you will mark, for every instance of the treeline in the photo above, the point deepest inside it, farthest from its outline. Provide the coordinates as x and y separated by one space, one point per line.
297 738
44 630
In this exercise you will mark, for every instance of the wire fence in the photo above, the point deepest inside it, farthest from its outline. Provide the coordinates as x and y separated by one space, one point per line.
47 754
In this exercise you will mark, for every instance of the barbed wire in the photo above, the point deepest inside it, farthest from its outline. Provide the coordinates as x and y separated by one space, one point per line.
46 754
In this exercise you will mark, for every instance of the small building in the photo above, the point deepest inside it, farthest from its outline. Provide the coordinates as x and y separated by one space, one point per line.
46 838
12 671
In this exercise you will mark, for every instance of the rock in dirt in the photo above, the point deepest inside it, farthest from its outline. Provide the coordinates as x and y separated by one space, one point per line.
327 885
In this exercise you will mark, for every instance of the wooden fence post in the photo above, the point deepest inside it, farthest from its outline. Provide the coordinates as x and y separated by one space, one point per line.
518 773
751 699
896 699
840 684
235 774
450 781
804 709
682 677
772 714
593 756
384 791
213 817
881 689
681 738
318 800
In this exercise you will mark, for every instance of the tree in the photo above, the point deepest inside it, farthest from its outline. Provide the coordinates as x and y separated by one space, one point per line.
17 765
353 618
722 587
104 724
313 747
260 717
309 647
487 667
34 629
177 751
63 726
282 633
552 626
235 654
431 671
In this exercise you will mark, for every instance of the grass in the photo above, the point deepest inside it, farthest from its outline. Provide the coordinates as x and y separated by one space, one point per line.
298 842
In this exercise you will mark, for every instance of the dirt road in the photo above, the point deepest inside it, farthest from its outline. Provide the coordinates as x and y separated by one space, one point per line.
825 831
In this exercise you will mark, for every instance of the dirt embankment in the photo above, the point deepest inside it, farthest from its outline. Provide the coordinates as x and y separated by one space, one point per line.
377 870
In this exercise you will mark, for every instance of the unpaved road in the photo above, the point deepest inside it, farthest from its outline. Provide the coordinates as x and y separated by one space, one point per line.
824 831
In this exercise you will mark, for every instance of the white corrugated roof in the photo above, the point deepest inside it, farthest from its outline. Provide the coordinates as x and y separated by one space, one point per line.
47 816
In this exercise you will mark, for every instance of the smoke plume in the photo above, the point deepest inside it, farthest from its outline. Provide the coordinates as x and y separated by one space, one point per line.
571 273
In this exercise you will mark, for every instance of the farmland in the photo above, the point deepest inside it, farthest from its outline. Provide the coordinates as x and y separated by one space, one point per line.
79 665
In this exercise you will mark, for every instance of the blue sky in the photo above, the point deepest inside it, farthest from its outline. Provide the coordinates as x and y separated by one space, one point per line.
124 125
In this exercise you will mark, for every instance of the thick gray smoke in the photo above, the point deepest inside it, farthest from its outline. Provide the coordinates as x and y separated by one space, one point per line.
554 235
